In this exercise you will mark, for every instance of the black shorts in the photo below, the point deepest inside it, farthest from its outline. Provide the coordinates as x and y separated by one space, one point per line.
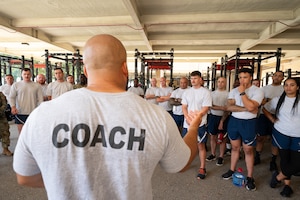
21 119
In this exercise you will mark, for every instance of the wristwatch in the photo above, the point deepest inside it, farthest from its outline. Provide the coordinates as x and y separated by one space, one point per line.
243 93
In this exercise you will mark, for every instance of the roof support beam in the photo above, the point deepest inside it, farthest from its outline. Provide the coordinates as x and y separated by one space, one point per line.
133 11
34 33
271 31
219 17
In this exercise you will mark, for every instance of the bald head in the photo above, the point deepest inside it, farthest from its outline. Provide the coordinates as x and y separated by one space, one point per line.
104 51
105 66
41 79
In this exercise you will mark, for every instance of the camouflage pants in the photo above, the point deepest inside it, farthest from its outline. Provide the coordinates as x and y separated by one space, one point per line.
4 132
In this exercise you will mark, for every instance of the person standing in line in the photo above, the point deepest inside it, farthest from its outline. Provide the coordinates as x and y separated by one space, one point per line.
264 126
136 89
72 156
243 103
219 101
163 95
197 98
175 101
4 127
82 82
59 86
5 89
25 96
70 79
150 92
256 82
41 79
285 133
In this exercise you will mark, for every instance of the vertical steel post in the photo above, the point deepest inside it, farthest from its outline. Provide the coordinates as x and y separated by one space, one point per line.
278 59
32 69
237 58
258 67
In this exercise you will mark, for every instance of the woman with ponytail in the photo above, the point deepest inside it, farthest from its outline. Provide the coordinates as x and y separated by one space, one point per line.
286 133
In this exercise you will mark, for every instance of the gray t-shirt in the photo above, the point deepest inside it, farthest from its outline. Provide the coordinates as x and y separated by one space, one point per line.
164 91
99 145
219 98
56 88
26 96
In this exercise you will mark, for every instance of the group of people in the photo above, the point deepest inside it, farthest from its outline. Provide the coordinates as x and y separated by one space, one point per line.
111 151
19 99
242 117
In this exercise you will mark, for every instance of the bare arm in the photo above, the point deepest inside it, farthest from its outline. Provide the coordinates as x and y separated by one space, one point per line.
249 104
234 108
185 112
175 102
269 115
215 107
31 181
150 96
224 117
163 98
191 138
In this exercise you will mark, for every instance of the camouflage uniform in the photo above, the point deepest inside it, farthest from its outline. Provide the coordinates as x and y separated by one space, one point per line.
4 127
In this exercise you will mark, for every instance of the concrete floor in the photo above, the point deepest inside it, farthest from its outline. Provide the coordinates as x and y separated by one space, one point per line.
181 186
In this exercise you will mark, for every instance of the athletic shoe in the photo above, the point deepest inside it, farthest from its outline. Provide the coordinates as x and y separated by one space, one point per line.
228 175
211 158
220 161
201 173
250 184
273 166
274 181
227 152
287 191
256 159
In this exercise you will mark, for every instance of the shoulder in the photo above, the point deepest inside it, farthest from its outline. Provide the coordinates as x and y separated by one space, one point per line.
131 88
255 89
50 84
204 90
188 90
233 92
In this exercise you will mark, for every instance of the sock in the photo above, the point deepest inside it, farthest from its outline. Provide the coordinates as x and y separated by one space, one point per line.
228 146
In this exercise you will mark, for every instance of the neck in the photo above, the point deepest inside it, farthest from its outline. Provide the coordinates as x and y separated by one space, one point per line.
276 84
291 95
197 86
106 84
107 89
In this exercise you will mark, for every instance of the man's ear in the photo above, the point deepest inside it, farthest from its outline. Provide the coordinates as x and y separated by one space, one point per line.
84 71
125 69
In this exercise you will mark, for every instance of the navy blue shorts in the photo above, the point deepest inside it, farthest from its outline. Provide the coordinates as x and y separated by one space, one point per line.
202 134
213 124
264 126
179 119
21 119
244 129
285 142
